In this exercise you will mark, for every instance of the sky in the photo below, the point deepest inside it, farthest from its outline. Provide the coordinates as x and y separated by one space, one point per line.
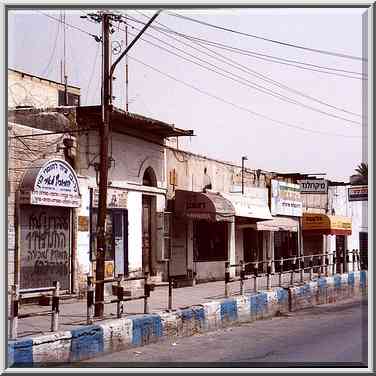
241 94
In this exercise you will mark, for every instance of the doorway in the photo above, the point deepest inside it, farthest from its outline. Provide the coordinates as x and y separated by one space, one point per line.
146 235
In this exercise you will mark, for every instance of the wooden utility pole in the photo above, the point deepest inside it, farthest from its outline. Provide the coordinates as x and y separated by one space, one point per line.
103 171
107 73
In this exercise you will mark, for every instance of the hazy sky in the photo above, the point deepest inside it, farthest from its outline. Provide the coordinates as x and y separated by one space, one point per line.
223 110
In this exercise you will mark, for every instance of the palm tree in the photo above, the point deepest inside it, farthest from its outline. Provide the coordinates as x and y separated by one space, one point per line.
362 170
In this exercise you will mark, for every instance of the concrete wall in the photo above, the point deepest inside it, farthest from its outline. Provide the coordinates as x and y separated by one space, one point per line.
28 90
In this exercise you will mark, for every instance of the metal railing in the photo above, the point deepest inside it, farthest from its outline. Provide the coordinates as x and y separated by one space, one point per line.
16 296
325 263
120 293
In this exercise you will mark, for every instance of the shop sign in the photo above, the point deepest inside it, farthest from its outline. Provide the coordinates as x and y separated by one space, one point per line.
326 224
286 199
358 193
116 198
55 184
313 186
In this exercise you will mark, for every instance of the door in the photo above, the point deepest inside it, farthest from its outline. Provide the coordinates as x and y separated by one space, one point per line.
363 249
120 236
178 261
340 247
252 245
146 235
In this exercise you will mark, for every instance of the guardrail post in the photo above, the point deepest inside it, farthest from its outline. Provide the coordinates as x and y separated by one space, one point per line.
301 269
340 261
120 296
242 276
170 286
293 271
55 307
353 260
15 296
227 278
280 272
255 272
311 268
147 288
90 300
268 273
326 265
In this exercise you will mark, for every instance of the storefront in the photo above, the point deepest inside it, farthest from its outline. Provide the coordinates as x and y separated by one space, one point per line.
251 207
210 234
286 208
48 192
116 252
317 228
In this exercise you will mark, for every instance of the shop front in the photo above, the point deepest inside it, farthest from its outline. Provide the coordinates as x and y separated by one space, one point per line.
209 231
251 207
47 195
317 228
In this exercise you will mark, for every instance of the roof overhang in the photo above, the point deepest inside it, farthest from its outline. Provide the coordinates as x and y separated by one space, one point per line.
279 224
316 223
208 206
123 122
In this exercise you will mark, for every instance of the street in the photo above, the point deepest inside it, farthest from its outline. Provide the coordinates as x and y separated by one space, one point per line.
323 336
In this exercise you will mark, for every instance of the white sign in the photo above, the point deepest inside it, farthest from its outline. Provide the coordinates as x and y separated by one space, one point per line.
286 199
55 184
313 186
116 198
253 204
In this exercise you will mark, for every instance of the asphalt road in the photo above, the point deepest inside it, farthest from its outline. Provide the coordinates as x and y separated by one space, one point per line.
323 336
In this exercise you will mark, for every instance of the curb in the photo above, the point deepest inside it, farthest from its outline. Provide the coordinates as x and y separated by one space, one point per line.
133 331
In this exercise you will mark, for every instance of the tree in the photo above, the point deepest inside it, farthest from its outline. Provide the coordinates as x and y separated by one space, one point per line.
362 170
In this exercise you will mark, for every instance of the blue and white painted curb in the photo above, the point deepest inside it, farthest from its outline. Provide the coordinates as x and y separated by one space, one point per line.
132 331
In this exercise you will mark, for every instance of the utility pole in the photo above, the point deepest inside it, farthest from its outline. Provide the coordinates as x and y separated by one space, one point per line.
107 74
126 66
243 159
103 171
65 63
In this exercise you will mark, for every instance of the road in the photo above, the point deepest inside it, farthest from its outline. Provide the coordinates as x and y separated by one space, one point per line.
323 336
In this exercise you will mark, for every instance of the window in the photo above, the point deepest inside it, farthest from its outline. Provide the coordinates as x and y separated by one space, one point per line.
73 99
210 241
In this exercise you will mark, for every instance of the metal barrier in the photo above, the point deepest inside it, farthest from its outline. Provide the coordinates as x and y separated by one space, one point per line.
120 296
16 295
340 263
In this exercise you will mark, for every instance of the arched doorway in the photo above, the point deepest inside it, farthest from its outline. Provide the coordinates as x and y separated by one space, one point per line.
149 179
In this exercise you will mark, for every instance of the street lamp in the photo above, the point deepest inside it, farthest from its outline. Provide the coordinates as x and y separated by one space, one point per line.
243 159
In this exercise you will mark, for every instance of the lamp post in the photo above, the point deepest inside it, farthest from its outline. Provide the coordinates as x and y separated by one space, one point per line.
243 159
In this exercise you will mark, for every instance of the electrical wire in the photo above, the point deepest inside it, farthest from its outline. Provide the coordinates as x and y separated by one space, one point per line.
243 81
46 70
260 56
242 108
92 73
71 26
243 68
267 39
68 131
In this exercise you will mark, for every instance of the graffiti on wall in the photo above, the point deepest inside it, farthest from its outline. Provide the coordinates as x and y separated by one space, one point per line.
44 247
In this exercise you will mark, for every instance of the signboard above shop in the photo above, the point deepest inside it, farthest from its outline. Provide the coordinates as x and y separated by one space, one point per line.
50 182
116 198
286 199
358 193
313 186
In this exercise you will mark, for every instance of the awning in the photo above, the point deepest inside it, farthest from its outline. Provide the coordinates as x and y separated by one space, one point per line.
278 224
253 204
50 182
326 224
198 205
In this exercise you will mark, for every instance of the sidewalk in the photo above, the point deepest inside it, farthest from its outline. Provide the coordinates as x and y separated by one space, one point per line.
73 311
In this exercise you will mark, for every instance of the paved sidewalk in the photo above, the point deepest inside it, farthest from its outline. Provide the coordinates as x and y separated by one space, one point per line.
73 311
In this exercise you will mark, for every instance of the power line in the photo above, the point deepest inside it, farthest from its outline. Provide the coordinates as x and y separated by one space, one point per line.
52 133
267 39
260 56
248 84
233 63
72 26
238 106
92 72
46 69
